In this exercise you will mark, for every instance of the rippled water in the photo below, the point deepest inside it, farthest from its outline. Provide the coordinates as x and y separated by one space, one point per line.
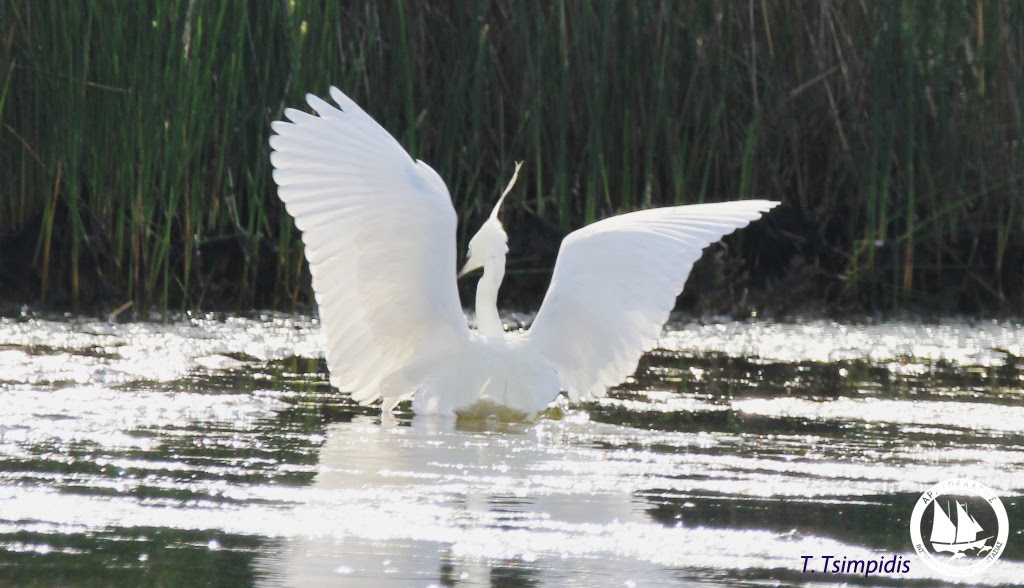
212 452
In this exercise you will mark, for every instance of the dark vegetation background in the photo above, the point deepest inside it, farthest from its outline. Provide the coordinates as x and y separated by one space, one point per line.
134 160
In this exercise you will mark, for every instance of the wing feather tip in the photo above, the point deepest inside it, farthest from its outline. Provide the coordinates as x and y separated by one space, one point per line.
293 114
280 125
340 97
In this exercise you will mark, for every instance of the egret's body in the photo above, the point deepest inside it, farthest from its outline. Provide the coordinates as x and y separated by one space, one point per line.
379 233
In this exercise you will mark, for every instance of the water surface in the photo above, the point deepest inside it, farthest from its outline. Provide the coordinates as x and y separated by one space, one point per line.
211 451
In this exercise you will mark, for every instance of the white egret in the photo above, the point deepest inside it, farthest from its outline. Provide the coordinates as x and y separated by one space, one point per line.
379 234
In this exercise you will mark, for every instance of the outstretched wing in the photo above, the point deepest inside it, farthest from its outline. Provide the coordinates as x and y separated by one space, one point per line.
379 231
615 283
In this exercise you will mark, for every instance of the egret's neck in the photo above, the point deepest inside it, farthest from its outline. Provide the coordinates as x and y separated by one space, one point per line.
488 323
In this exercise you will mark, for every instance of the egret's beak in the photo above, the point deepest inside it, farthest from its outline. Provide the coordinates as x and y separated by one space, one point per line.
467 268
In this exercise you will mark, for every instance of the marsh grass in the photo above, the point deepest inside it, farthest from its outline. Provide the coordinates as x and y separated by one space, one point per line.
134 135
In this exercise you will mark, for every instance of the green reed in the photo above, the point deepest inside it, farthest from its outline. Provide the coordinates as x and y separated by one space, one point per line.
133 136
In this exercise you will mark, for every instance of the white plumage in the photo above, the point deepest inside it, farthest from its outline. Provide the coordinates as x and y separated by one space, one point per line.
379 234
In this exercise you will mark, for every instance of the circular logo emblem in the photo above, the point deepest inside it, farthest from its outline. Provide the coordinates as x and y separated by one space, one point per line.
959 527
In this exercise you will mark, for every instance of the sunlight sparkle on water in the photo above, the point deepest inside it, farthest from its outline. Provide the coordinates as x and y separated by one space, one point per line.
728 453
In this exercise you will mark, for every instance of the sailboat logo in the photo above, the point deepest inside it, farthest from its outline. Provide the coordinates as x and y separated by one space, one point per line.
958 538
968 527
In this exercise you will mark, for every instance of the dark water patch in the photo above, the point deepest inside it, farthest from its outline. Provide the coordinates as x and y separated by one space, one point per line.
724 421
131 556
786 576
858 520
721 376
96 352
865 520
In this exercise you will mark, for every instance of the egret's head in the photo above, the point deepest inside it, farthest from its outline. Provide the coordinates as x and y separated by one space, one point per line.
491 241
